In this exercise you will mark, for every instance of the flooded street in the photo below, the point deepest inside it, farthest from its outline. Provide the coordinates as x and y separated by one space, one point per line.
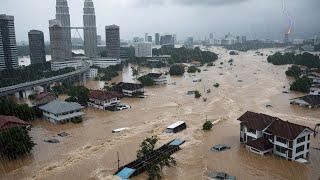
90 152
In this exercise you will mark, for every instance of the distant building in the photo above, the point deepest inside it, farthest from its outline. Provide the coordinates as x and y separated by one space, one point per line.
157 39
105 62
150 39
129 89
309 101
113 41
8 47
264 134
143 49
103 99
146 37
189 43
211 36
36 46
61 112
286 38
90 29
99 40
167 40
243 39
7 122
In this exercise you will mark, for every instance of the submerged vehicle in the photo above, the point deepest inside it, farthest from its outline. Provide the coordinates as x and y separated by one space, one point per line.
220 147
176 127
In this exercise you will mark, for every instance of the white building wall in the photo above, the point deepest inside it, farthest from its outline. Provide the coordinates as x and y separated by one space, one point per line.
143 50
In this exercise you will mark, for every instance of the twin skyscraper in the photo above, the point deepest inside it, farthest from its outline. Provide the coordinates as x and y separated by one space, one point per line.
60 33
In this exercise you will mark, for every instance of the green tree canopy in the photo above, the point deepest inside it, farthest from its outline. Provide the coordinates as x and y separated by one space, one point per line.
176 70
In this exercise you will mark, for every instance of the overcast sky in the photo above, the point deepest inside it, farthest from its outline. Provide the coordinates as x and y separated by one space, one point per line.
197 18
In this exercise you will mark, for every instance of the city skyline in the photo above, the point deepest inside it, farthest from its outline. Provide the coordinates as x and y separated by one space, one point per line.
256 19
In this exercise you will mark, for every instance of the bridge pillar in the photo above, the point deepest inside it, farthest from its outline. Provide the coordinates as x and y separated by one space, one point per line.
46 88
22 94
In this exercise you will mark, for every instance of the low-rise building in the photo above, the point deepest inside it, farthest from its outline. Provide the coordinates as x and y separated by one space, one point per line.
315 89
315 77
263 134
44 98
106 62
129 89
62 112
158 78
310 101
92 73
103 99
7 122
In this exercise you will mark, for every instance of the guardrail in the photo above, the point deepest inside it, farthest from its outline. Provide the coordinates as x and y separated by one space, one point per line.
15 88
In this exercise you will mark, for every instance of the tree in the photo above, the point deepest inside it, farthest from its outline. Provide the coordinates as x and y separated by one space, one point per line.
233 53
207 126
197 94
301 84
176 70
79 94
146 80
22 111
153 169
294 71
15 142
193 69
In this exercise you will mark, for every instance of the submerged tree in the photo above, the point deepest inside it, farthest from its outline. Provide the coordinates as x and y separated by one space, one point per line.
15 142
153 169
207 126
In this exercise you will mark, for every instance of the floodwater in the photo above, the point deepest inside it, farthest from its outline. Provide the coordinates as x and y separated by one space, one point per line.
90 152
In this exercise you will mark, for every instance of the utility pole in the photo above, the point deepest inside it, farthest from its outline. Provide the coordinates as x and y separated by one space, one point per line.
118 160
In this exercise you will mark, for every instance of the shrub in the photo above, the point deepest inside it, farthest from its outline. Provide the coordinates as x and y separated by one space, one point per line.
146 80
193 69
76 120
207 126
176 70
197 94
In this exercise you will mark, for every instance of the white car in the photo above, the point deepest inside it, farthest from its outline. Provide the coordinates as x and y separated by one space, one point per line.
123 106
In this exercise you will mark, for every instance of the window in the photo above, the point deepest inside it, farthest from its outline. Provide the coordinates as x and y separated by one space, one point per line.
282 140
308 137
301 156
308 146
299 149
281 149
251 130
301 139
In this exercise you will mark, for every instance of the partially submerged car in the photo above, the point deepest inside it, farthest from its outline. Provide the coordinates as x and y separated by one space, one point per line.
221 175
220 147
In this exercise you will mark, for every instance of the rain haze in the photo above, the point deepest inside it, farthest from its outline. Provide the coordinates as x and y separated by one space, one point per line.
257 19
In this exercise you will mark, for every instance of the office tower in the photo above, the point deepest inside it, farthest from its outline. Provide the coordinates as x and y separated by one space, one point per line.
286 38
113 41
146 37
243 39
36 47
149 38
157 38
211 36
143 49
8 47
174 39
238 39
167 40
62 14
89 29
189 43
99 40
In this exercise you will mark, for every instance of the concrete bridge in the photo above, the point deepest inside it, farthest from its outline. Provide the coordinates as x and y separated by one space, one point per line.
45 82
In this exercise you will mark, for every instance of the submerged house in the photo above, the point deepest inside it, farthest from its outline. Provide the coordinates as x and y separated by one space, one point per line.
264 134
158 78
315 89
310 101
62 112
7 122
129 89
44 98
103 99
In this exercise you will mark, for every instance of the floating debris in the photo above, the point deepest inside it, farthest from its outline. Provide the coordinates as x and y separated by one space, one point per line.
220 147
52 141
63 134
240 80
216 85
269 106
120 130
221 175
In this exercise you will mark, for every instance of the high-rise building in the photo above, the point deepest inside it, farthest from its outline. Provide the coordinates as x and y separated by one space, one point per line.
62 14
146 37
286 38
89 29
189 43
36 46
113 41
211 36
8 47
143 49
149 38
157 38
167 40
243 39
99 40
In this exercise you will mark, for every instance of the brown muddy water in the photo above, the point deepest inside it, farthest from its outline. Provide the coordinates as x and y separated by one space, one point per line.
90 152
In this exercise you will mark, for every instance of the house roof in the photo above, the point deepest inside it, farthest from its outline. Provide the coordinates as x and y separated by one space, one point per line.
129 86
103 95
256 121
313 100
43 95
286 129
274 125
58 107
154 75
260 144
7 120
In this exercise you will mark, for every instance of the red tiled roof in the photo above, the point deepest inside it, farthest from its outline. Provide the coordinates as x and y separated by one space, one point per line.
103 95
286 129
43 95
260 144
256 121
7 120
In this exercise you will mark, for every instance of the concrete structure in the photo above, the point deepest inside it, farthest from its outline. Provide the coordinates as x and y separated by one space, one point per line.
93 72
264 134
62 15
36 46
157 39
143 49
106 62
89 29
113 41
103 99
8 47
62 112
315 89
